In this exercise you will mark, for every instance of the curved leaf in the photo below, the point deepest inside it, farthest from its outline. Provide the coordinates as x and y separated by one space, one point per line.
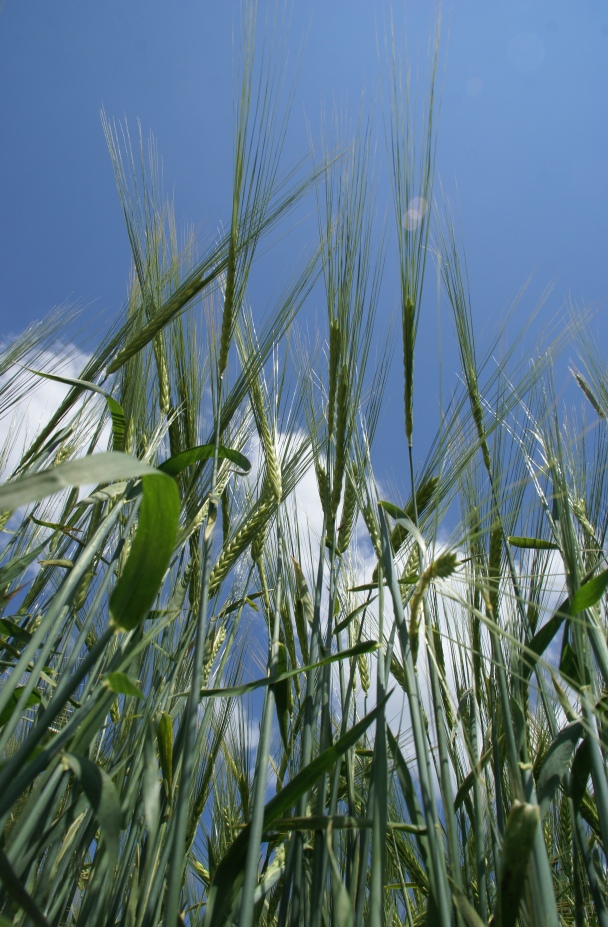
589 593
517 846
174 465
102 796
119 426
15 567
94 468
34 699
281 695
544 636
122 684
150 552
556 764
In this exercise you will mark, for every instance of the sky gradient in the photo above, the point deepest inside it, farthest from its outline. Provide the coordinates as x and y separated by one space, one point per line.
523 136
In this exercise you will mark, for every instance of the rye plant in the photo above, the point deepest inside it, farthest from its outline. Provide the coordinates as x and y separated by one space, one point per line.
218 709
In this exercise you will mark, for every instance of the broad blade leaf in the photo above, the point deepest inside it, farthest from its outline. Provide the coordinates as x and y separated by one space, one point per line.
589 593
543 638
150 553
94 468
179 462
516 850
556 763
281 695
34 699
581 770
123 685
102 795
15 567
360 608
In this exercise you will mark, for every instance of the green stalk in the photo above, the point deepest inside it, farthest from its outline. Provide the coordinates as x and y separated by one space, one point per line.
378 802
43 640
437 875
188 729
261 766
598 767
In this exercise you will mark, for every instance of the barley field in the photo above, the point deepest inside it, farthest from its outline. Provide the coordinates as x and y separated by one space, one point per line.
217 710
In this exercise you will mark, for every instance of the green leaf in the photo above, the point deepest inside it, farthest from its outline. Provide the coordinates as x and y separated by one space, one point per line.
123 685
34 699
343 914
589 593
568 663
150 553
246 600
12 629
544 636
532 543
303 592
228 877
281 695
467 783
393 510
361 608
424 495
102 796
119 426
231 691
581 770
164 735
174 465
94 468
15 567
556 764
464 907
19 895
517 846
106 494
409 793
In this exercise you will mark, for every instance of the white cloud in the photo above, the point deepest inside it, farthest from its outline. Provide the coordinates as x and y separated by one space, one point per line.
38 401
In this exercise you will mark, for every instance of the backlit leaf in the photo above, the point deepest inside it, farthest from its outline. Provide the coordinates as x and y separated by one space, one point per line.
589 593
179 462
150 553
94 468
119 426
33 699
123 685
556 764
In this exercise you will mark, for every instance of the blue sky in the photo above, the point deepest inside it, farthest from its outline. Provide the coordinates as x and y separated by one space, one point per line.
523 137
